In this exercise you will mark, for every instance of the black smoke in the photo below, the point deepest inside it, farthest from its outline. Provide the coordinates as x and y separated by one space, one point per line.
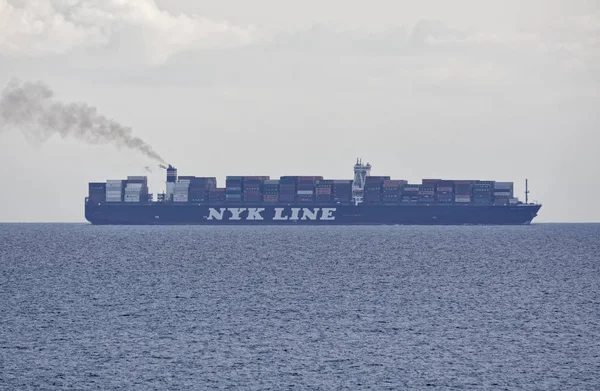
30 107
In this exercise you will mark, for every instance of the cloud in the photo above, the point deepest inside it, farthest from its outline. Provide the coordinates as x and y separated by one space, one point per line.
134 27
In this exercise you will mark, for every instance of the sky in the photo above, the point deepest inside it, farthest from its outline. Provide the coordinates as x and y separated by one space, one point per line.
467 89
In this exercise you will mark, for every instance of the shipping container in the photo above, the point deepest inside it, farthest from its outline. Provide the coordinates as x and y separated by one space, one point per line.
270 198
394 182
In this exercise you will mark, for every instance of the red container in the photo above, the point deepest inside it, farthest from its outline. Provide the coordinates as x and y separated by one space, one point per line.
392 183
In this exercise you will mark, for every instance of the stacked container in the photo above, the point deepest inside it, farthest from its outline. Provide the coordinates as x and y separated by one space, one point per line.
342 190
133 192
252 187
97 192
483 192
199 188
270 191
427 192
323 191
503 192
216 196
233 188
392 190
445 192
181 191
463 191
410 193
372 192
287 188
136 189
114 190
305 189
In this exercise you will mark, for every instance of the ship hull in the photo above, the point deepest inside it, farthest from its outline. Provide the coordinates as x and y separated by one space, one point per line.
313 214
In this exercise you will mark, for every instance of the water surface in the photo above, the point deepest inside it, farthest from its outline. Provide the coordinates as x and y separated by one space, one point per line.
277 308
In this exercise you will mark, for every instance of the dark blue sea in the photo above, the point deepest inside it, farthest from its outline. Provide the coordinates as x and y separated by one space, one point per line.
299 308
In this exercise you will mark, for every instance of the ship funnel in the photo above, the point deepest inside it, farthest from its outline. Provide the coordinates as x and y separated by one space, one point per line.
171 179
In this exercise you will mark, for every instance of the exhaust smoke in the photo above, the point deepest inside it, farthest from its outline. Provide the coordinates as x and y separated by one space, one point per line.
30 107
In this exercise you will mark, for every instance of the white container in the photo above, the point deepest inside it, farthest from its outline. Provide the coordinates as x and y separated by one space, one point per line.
305 192
134 186
137 178
114 181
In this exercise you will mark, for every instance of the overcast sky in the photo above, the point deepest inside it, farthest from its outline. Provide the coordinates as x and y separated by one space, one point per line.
463 89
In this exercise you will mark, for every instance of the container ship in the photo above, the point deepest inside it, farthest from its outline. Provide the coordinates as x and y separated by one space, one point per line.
299 200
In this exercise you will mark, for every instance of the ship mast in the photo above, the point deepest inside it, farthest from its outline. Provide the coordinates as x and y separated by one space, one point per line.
526 191
361 171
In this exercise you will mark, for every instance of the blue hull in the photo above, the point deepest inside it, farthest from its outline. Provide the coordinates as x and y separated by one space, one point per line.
310 214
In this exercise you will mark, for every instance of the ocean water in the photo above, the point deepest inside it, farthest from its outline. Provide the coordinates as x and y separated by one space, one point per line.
317 308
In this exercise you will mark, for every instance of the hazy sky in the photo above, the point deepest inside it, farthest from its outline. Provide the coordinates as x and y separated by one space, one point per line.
463 89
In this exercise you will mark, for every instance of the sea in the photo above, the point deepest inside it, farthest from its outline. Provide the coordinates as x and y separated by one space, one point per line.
87 307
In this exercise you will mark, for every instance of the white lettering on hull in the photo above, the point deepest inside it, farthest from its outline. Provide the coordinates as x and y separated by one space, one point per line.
327 214
235 213
295 213
254 214
213 214
280 214
308 214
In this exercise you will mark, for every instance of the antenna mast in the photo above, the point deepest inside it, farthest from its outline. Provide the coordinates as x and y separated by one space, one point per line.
526 191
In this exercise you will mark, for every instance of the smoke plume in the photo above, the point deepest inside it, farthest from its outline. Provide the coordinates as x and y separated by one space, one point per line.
32 109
